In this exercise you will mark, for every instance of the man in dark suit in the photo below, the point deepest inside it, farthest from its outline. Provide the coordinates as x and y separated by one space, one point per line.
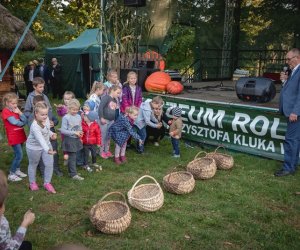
43 72
56 79
290 108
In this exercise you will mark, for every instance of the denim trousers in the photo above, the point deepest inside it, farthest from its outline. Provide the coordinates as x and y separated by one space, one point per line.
175 144
18 156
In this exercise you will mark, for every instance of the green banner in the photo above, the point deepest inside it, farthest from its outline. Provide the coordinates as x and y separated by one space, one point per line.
255 130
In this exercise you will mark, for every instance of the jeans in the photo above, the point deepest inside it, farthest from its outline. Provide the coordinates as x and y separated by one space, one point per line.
175 144
80 157
143 134
18 156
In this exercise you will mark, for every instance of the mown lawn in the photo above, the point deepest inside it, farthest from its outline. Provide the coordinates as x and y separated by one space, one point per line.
244 208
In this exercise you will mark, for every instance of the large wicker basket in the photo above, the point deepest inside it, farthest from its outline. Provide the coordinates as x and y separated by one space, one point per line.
111 217
223 161
202 168
181 182
146 197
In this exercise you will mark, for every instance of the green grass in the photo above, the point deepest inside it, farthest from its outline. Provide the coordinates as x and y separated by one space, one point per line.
244 208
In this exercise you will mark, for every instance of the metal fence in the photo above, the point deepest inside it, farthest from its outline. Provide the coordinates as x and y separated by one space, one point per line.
257 62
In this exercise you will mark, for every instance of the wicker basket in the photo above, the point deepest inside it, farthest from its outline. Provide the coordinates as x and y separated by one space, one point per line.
202 168
223 161
181 182
146 197
111 217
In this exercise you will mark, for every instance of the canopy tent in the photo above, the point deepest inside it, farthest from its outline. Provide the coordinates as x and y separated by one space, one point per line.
80 60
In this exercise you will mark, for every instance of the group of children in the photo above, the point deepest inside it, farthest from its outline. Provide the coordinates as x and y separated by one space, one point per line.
112 112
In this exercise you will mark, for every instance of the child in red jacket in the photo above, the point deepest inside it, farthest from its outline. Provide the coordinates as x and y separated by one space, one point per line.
91 138
14 120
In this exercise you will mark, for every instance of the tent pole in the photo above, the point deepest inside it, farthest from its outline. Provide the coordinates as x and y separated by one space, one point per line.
21 39
101 39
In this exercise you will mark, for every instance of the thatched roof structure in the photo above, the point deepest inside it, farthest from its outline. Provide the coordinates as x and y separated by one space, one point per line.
11 29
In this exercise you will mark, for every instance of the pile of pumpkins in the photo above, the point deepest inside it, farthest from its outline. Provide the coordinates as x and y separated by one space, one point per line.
160 82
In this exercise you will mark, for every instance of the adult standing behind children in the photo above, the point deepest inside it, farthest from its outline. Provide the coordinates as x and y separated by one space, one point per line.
30 72
38 86
6 240
43 71
14 120
146 117
56 79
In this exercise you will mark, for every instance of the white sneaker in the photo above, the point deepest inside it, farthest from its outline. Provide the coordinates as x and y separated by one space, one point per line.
13 177
87 168
20 173
97 166
156 144
77 178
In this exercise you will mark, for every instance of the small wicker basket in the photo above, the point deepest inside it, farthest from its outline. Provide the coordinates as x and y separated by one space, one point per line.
223 161
202 168
111 217
181 182
146 197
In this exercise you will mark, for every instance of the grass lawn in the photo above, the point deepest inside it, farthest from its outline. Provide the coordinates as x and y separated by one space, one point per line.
244 208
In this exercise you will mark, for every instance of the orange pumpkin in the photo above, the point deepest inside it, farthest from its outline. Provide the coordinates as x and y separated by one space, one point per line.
157 82
174 87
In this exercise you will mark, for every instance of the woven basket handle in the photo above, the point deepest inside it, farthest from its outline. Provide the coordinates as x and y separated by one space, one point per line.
199 154
105 196
145 176
220 147
172 170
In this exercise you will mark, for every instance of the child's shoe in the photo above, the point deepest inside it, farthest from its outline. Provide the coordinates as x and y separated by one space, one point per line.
20 173
123 159
176 156
117 160
109 154
87 168
58 172
156 144
13 177
33 186
49 188
104 155
95 165
77 178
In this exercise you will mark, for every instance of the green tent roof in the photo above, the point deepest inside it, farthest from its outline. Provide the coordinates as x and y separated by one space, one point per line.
87 42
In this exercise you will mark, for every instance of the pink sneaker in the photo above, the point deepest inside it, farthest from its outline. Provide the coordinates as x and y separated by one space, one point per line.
103 155
117 161
49 188
109 154
33 186
123 159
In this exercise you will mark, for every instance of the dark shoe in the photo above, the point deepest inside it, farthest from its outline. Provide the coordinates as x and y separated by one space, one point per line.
282 172
58 173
